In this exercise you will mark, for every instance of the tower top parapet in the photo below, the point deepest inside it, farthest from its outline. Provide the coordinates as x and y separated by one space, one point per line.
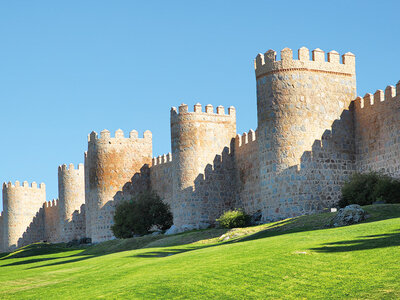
119 135
266 63
24 185
183 109
70 167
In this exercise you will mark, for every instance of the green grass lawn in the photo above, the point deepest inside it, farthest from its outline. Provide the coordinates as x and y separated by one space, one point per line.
294 258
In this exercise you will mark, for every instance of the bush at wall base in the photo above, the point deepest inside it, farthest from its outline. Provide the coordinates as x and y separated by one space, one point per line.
368 188
233 219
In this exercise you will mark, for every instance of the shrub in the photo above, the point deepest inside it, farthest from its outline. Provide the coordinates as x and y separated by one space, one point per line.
364 189
233 218
140 214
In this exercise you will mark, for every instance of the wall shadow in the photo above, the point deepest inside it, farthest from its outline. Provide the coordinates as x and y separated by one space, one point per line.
167 252
367 242
35 231
45 228
315 183
28 261
212 193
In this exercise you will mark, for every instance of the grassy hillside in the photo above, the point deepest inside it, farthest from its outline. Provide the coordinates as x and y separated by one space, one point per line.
294 258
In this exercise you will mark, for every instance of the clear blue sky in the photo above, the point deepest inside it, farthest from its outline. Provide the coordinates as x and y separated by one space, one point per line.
70 67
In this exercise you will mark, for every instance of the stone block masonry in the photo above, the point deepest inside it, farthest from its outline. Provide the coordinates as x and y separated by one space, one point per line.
1 231
38 220
71 193
196 138
161 177
21 202
312 134
377 128
110 163
247 166
297 101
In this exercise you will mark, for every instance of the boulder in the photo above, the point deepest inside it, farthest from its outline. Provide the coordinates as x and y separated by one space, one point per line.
351 214
172 230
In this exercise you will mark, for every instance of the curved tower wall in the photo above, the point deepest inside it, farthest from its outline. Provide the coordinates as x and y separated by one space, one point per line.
20 204
198 139
71 194
1 232
110 163
298 101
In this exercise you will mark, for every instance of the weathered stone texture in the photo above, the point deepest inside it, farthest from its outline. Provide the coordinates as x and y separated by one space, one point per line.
161 177
71 193
52 221
1 232
110 163
377 131
247 167
36 230
297 101
197 137
20 203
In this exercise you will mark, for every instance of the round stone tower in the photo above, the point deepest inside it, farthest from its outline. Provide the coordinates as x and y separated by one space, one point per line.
71 194
297 101
110 163
20 205
196 137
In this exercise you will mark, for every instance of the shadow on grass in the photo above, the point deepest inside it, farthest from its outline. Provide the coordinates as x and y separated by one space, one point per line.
170 252
167 252
78 258
171 243
28 261
35 249
363 243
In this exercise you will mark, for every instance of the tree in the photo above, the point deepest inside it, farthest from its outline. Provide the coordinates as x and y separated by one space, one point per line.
140 214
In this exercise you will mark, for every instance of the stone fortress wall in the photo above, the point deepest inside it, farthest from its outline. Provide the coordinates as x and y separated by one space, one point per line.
1 231
247 169
161 177
297 101
110 163
71 194
196 138
59 220
21 203
377 131
51 220
311 137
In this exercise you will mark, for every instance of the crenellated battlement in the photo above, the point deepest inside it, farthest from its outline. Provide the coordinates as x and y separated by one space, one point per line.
267 63
70 167
50 204
162 159
245 138
119 135
209 110
380 97
25 185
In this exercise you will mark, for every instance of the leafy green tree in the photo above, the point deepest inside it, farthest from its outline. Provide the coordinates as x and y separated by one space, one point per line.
140 214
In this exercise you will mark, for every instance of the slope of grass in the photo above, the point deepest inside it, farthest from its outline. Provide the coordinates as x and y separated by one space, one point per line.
294 258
